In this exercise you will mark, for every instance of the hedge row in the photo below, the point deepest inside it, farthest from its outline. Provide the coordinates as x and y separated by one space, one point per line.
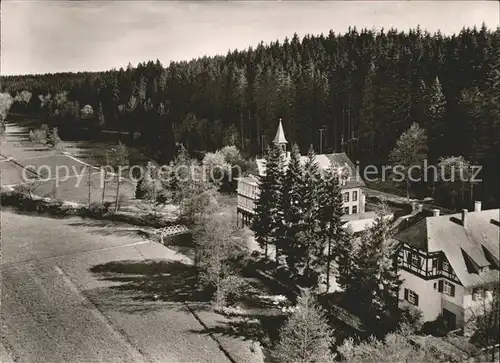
25 203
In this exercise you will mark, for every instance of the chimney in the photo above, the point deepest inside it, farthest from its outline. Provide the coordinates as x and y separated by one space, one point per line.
477 206
419 207
435 212
464 213
414 207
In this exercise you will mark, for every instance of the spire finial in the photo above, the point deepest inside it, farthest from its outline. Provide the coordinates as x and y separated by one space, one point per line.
280 135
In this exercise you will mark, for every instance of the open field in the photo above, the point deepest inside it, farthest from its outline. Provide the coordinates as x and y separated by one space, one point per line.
79 291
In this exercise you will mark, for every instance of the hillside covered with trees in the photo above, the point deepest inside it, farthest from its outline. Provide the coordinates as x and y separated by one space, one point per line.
364 87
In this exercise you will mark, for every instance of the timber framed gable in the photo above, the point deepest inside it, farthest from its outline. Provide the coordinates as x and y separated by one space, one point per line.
427 266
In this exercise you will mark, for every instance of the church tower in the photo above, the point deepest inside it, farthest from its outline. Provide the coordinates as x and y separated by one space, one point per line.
280 139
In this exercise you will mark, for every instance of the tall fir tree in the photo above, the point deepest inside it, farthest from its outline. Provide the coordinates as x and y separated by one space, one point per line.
331 224
267 208
376 279
306 336
435 113
292 207
310 246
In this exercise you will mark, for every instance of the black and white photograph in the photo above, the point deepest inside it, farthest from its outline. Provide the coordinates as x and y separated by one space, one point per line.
276 181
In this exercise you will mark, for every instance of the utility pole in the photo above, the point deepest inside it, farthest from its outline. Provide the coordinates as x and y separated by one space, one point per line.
321 139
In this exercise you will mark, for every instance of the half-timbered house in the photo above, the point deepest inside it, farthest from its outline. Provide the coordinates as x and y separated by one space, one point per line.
448 263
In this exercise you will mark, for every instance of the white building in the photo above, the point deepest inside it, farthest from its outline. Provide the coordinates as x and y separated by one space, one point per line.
450 262
352 184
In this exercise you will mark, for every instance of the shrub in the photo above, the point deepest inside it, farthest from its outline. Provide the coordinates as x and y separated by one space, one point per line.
233 287
96 210
412 316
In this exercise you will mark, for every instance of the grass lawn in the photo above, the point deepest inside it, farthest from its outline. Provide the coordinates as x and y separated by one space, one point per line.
79 290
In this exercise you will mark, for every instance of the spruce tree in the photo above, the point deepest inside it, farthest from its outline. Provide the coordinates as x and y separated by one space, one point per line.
100 116
331 223
435 113
292 207
387 279
267 208
375 285
306 336
310 245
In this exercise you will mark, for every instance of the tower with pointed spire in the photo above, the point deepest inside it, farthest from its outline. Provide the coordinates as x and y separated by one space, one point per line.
280 139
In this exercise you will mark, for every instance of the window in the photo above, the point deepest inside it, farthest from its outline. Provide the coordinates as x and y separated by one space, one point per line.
354 209
411 297
435 286
345 197
355 196
449 288
346 210
409 257
434 263
446 266
415 260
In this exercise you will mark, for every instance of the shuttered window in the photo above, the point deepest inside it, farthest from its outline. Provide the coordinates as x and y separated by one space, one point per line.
449 288
411 297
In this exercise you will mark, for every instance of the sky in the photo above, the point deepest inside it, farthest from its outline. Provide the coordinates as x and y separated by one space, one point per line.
59 36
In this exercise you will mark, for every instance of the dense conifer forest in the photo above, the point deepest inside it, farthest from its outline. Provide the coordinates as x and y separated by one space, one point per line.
364 88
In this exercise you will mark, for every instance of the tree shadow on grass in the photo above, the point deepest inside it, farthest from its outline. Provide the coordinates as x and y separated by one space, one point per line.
256 327
143 286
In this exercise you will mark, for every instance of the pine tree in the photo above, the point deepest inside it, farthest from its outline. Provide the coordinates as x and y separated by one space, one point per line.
435 113
100 116
376 280
331 213
292 207
267 208
306 337
344 250
310 245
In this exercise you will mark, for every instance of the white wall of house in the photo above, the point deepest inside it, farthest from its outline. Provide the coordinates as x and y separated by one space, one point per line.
354 205
429 297
354 200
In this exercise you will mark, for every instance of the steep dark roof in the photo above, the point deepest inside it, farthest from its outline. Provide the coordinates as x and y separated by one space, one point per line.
340 160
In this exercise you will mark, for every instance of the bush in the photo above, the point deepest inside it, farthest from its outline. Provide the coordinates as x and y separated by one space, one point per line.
96 210
233 287
412 316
